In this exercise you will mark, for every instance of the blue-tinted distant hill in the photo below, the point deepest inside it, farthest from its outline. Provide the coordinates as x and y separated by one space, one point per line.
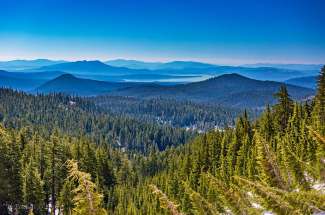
299 67
230 89
268 73
309 81
173 65
185 65
27 64
133 64
92 68
25 81
260 73
70 84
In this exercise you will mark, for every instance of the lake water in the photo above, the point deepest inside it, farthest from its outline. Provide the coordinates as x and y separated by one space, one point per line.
176 79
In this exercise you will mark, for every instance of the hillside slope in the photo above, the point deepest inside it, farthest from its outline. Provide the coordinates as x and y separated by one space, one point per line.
230 89
25 81
70 84
309 81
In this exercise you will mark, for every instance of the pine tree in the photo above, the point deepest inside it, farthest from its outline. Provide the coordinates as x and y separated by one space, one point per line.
201 204
231 196
66 197
33 193
266 124
284 202
87 200
319 108
284 108
318 168
164 201
10 170
269 170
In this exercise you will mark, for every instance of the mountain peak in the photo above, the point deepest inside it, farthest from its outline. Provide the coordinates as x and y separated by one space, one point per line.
231 76
70 84
66 76
77 67
89 61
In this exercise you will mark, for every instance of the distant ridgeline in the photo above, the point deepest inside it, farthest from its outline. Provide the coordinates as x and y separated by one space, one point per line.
231 90
57 154
235 86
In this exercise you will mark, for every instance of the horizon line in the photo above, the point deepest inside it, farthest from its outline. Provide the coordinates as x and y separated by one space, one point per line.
161 61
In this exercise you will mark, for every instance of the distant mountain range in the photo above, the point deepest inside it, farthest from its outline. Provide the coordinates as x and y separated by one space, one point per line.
300 67
94 78
309 81
70 84
27 64
180 65
98 67
230 89
120 70
134 64
100 71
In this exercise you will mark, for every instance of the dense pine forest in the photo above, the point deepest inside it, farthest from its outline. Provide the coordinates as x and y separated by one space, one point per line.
186 114
78 116
68 155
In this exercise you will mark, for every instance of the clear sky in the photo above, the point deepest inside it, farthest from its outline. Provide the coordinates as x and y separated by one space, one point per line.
218 31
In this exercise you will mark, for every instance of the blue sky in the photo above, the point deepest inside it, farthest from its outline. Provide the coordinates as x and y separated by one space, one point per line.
218 31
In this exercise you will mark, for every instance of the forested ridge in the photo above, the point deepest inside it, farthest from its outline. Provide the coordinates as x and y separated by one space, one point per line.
231 90
172 112
75 116
52 157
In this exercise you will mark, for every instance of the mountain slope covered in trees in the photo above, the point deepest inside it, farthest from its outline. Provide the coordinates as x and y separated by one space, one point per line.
171 112
229 90
274 164
75 116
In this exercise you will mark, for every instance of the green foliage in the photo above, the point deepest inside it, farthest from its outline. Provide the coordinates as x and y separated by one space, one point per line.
284 108
319 109
75 116
169 111
275 163
66 197
164 201
32 187
87 201
201 205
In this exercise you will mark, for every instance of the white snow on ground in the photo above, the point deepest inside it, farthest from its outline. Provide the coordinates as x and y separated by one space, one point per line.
250 194
256 205
72 103
316 185
319 186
